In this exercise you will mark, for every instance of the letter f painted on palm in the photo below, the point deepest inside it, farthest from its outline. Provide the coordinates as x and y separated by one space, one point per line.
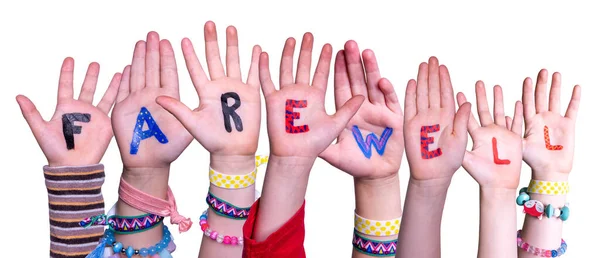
371 140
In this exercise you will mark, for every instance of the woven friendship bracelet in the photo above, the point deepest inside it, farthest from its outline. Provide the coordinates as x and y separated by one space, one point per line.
225 209
539 251
236 181
124 224
548 187
376 227
372 247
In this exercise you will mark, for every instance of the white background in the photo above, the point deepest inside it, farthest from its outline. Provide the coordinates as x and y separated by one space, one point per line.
499 43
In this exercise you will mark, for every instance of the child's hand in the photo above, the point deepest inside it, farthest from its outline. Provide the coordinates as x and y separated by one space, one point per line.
79 132
435 136
227 121
148 136
371 145
549 137
495 159
297 123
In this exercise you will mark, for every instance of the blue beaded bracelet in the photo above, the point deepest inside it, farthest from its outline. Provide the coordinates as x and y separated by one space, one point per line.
162 248
536 208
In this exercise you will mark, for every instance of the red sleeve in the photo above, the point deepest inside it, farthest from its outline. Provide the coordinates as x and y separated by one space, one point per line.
287 241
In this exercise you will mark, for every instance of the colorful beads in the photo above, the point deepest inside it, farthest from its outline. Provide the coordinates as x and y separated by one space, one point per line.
166 243
537 209
214 235
539 251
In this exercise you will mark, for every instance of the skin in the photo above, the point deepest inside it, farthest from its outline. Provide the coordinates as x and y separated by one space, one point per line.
540 110
153 73
293 155
497 182
230 153
376 181
429 101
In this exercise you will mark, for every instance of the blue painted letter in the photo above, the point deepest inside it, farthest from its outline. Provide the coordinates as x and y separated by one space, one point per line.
365 144
139 134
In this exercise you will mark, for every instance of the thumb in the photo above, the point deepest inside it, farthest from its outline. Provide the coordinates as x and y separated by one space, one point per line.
332 155
461 119
178 109
346 112
31 114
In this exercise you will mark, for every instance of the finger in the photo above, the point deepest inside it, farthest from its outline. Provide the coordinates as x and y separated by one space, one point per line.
422 88
410 100
433 81
89 83
472 124
574 103
138 67
373 77
123 91
517 123
286 66
346 112
108 100
341 83
332 155
179 110
193 65
462 119
304 59
65 81
447 92
153 60
168 67
322 70
508 121
554 105
253 73
356 73
483 110
31 115
232 55
265 75
541 100
527 98
213 56
390 97
498 106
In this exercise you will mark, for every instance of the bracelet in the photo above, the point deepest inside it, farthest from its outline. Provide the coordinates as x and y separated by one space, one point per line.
373 247
163 249
536 208
214 235
376 227
548 187
124 224
225 209
539 251
236 181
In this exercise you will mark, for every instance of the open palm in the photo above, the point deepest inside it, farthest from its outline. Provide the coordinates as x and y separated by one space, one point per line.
296 119
495 159
380 117
551 158
58 138
161 138
212 123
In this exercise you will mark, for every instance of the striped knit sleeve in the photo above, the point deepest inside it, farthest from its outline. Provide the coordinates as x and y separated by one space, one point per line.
74 193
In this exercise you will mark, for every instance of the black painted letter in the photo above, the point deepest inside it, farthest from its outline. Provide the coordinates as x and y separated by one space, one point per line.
69 127
229 111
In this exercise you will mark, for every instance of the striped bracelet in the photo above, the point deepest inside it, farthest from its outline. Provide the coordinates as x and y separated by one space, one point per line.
373 247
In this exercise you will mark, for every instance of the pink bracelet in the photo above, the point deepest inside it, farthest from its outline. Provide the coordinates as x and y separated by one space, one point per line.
539 251
214 235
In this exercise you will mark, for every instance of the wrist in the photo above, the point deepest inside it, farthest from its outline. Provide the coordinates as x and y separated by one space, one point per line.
493 195
437 187
72 162
290 167
151 180
232 164
378 199
549 175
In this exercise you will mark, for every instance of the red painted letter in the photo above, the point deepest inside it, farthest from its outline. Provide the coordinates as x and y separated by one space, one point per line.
426 140
547 140
290 115
495 149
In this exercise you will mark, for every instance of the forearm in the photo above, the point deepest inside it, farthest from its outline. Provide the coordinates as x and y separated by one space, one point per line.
242 197
497 223
378 199
74 193
420 230
283 193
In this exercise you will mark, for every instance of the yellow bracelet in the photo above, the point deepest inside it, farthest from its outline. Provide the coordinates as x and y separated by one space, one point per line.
236 181
548 187
376 227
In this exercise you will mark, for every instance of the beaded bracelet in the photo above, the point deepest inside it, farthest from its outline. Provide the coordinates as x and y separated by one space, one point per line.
236 181
373 247
164 248
539 251
376 227
536 208
548 187
225 209
124 224
214 235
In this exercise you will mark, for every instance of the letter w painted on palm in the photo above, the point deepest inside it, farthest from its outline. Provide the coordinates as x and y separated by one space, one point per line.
371 140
